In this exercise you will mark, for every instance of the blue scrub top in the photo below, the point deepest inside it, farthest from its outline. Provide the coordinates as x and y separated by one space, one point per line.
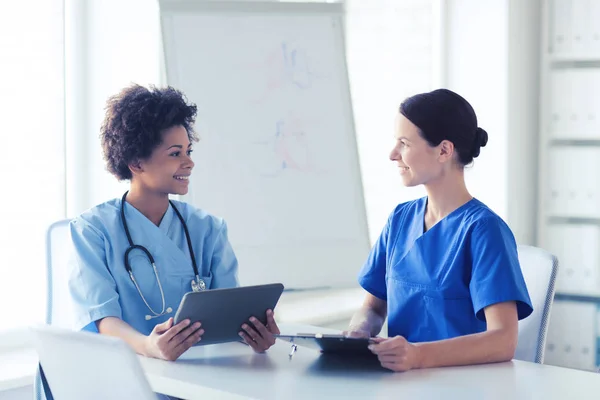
437 283
101 287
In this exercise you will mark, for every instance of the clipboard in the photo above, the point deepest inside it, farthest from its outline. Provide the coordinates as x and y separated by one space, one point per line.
330 344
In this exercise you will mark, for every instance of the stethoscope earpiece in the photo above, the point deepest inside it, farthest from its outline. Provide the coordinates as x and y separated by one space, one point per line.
168 311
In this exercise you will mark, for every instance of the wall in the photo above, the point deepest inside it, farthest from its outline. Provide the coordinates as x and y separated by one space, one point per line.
523 112
391 55
119 45
476 49
492 58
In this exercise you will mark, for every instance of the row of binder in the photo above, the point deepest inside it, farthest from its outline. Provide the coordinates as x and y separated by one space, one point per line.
574 27
574 104
572 187
573 182
573 335
577 248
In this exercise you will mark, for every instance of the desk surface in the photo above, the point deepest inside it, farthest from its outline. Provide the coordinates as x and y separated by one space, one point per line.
233 371
17 368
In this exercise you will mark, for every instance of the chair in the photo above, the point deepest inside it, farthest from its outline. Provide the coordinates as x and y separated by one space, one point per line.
58 252
540 269
84 365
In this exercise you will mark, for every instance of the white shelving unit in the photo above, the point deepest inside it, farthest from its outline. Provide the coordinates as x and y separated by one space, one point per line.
569 193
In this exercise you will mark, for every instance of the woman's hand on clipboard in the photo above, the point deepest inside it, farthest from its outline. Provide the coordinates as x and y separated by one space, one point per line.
260 337
396 353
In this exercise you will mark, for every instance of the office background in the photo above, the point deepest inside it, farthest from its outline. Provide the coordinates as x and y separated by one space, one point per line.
529 68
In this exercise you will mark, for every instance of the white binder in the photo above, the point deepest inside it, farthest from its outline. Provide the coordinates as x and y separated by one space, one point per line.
580 26
561 26
560 104
578 250
575 104
572 335
594 15
572 192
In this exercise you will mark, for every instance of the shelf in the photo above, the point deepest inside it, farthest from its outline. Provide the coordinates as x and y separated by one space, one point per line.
589 297
579 59
562 219
587 142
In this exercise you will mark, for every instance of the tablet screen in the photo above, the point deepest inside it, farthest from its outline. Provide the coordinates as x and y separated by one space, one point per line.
223 311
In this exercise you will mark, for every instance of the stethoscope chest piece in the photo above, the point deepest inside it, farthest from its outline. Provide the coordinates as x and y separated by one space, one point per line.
198 285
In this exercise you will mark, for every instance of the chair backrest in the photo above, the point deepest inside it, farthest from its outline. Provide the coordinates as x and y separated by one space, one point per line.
58 304
84 365
58 253
540 269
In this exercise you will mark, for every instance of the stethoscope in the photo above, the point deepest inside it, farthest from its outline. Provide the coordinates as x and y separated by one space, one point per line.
198 284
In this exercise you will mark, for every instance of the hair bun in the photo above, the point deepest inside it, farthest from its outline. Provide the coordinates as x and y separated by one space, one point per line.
481 138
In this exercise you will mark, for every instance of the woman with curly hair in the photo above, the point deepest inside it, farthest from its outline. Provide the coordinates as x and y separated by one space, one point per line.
138 255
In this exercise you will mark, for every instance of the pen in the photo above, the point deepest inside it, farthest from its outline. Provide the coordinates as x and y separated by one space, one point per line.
294 348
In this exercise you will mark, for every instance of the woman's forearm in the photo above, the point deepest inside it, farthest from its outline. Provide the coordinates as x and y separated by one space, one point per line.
113 326
480 348
367 320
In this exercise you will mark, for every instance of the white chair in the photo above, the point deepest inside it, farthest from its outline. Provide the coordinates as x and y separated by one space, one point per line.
58 303
84 365
59 250
540 269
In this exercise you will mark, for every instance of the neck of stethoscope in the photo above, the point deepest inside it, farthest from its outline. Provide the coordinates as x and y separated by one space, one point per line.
124 220
197 284
185 230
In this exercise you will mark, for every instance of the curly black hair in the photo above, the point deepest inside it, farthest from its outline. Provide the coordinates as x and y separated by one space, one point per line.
134 122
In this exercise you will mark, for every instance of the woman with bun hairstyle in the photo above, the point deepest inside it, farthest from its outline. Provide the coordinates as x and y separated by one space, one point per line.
445 270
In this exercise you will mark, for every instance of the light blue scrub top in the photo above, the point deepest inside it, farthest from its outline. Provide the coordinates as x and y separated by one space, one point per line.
437 283
101 287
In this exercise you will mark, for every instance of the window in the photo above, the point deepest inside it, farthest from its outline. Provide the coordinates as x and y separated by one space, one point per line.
32 168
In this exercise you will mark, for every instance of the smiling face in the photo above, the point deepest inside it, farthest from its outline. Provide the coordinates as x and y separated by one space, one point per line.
418 161
169 167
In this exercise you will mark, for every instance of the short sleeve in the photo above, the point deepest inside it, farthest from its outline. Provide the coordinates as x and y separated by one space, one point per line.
373 272
224 264
496 274
92 288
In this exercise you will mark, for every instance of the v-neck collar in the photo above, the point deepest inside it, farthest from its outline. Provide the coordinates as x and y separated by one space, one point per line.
165 222
423 208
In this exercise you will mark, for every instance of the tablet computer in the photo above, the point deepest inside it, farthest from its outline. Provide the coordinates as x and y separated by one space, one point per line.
223 311
333 344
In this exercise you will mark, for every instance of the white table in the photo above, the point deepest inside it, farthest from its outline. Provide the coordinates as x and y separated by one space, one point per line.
233 371
17 368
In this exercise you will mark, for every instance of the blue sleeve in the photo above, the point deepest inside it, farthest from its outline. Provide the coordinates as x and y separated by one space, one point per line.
224 264
373 272
496 273
92 288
